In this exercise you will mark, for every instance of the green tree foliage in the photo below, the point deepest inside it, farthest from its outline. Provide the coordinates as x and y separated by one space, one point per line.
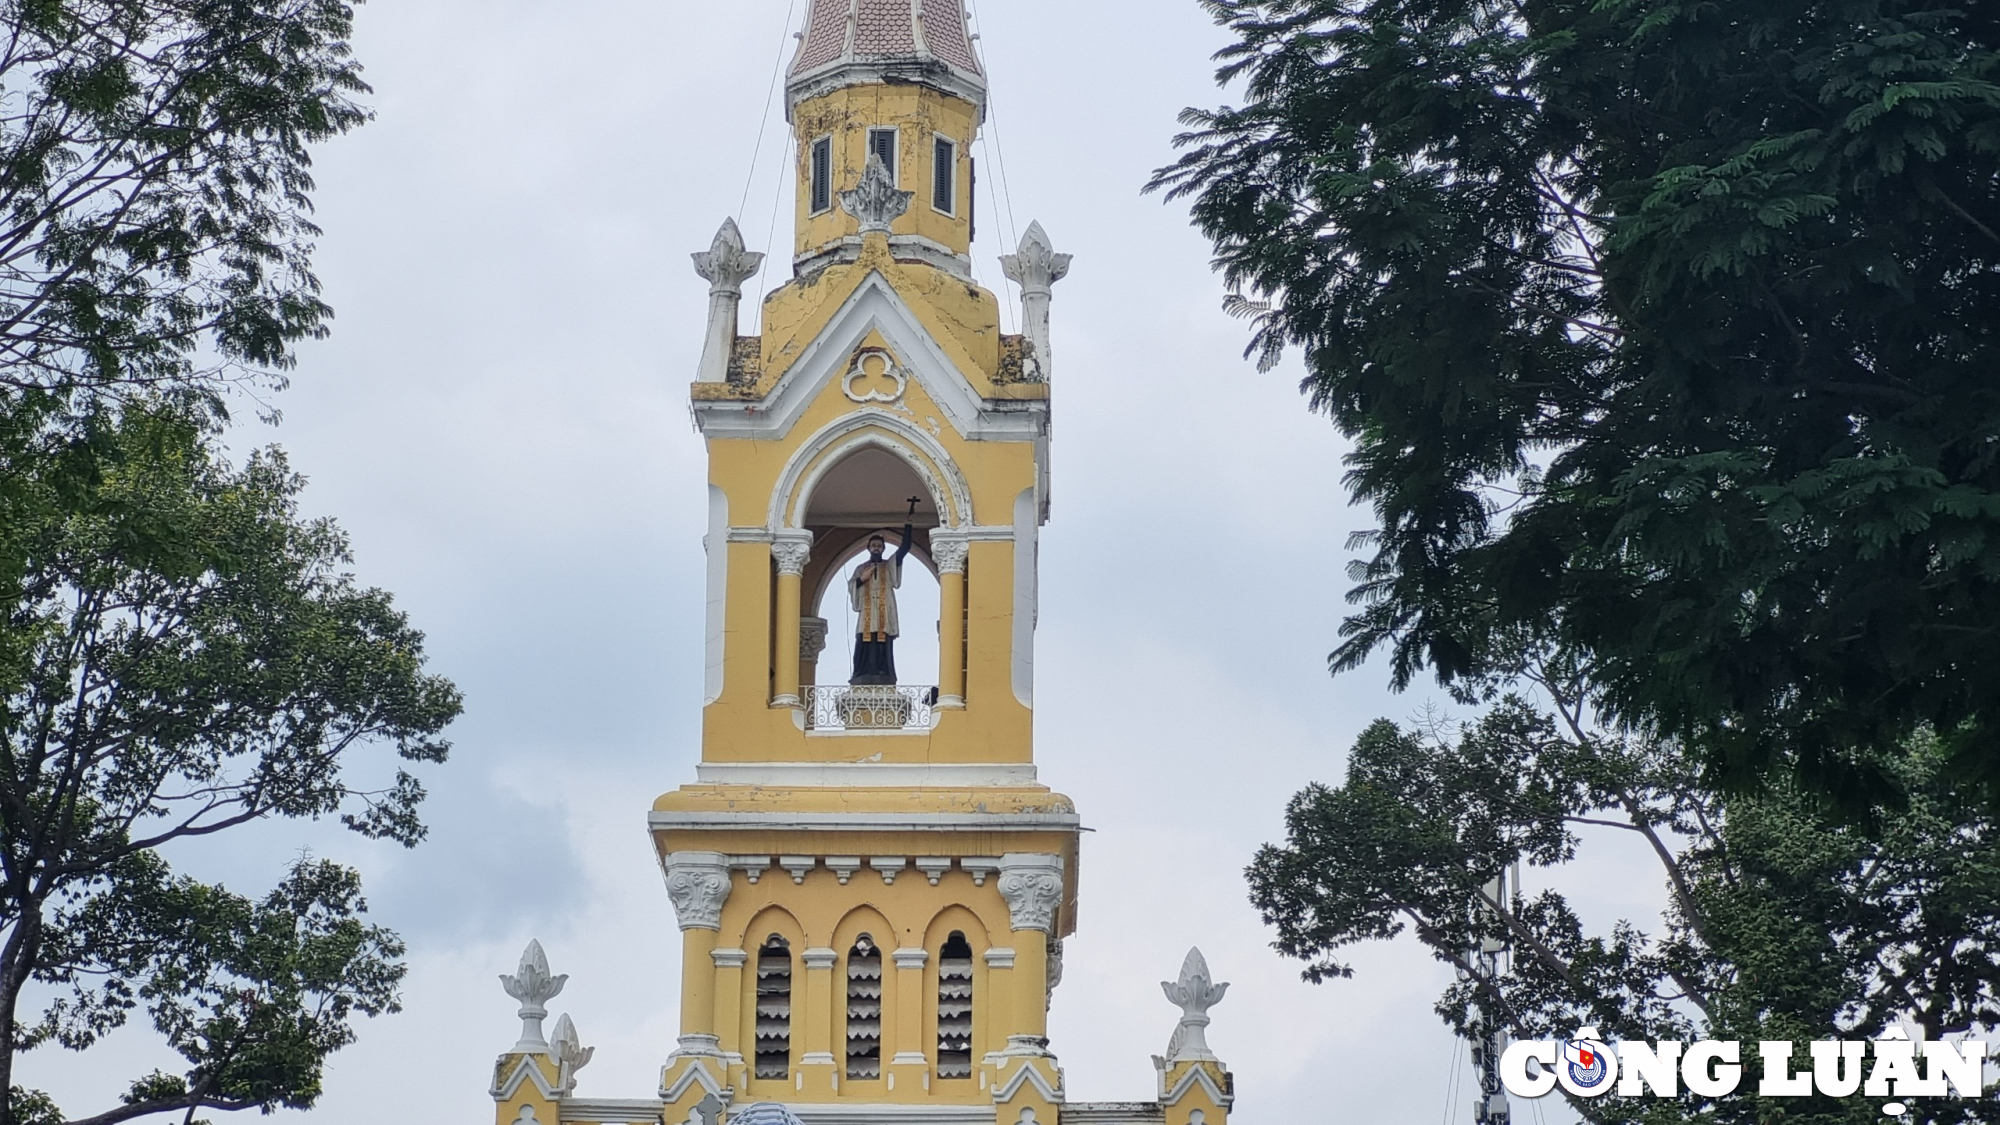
1782 924
1665 330
154 171
182 654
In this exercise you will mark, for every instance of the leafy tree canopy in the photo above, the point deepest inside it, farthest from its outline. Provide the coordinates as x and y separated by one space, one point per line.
182 654
1666 334
1782 924
154 179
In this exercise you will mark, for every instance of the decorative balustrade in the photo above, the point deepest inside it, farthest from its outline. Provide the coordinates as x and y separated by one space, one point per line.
840 707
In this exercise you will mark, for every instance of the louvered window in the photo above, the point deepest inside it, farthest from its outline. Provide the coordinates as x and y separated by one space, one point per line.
944 176
822 175
882 143
774 1009
954 1057
864 1009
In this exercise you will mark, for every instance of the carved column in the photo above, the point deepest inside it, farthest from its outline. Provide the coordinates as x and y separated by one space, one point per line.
1036 267
910 1062
1032 884
726 266
789 551
817 1062
812 642
950 552
698 883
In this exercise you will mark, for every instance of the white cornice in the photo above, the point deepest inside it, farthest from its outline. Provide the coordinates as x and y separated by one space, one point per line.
844 1114
865 775
874 306
866 822
612 1111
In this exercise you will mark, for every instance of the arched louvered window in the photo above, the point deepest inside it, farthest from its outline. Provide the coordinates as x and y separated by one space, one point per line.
954 1055
864 1009
774 1009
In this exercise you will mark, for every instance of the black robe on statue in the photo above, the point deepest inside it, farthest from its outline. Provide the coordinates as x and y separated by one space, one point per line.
875 655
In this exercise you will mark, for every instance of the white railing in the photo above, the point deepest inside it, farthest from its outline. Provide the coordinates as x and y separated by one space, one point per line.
840 707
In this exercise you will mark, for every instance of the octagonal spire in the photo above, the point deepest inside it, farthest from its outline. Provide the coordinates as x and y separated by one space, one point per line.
850 42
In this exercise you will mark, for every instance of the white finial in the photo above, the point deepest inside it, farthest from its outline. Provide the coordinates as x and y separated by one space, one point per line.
1195 993
570 1055
876 201
532 985
1036 267
726 265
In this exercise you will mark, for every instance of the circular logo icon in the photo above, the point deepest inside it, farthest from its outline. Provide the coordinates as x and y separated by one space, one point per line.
1587 1067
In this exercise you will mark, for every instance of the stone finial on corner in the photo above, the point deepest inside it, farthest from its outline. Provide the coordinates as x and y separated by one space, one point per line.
570 1055
876 201
1036 267
726 265
1195 993
534 987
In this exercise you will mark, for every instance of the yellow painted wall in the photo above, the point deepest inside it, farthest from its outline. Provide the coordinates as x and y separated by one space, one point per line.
920 114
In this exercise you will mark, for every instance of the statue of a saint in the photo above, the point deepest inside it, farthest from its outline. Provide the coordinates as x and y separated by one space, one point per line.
876 627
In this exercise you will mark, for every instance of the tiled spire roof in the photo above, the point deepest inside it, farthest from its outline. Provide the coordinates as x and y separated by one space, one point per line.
910 38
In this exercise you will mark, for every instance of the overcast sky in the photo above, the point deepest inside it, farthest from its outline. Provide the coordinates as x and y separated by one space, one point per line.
500 420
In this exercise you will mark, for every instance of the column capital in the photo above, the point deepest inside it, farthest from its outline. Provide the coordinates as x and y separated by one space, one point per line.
949 551
812 637
791 550
1032 884
698 883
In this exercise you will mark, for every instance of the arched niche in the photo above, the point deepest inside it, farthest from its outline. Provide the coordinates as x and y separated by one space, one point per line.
876 432
860 486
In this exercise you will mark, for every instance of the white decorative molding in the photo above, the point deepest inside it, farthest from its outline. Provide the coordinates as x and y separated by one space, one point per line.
1190 1078
752 866
694 1073
698 1045
979 867
730 958
891 370
525 1072
870 427
875 306
914 1113
614 1111
799 866
889 866
1032 884
698 883
1021 1048
866 775
534 986
1194 993
876 200
1000 957
716 544
1027 593
791 551
902 247
914 958
819 958
661 821
843 866
934 867
726 266
950 552
570 1055
1036 267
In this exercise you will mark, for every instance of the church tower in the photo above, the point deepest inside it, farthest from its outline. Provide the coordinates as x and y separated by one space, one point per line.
871 881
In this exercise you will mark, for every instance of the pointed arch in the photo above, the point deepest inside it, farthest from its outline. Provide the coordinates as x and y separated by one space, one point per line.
870 428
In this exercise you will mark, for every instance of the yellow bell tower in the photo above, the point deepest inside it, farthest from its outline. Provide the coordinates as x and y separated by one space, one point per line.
871 882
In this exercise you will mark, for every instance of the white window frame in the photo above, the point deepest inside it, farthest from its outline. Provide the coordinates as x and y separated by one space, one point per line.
957 156
812 151
895 150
